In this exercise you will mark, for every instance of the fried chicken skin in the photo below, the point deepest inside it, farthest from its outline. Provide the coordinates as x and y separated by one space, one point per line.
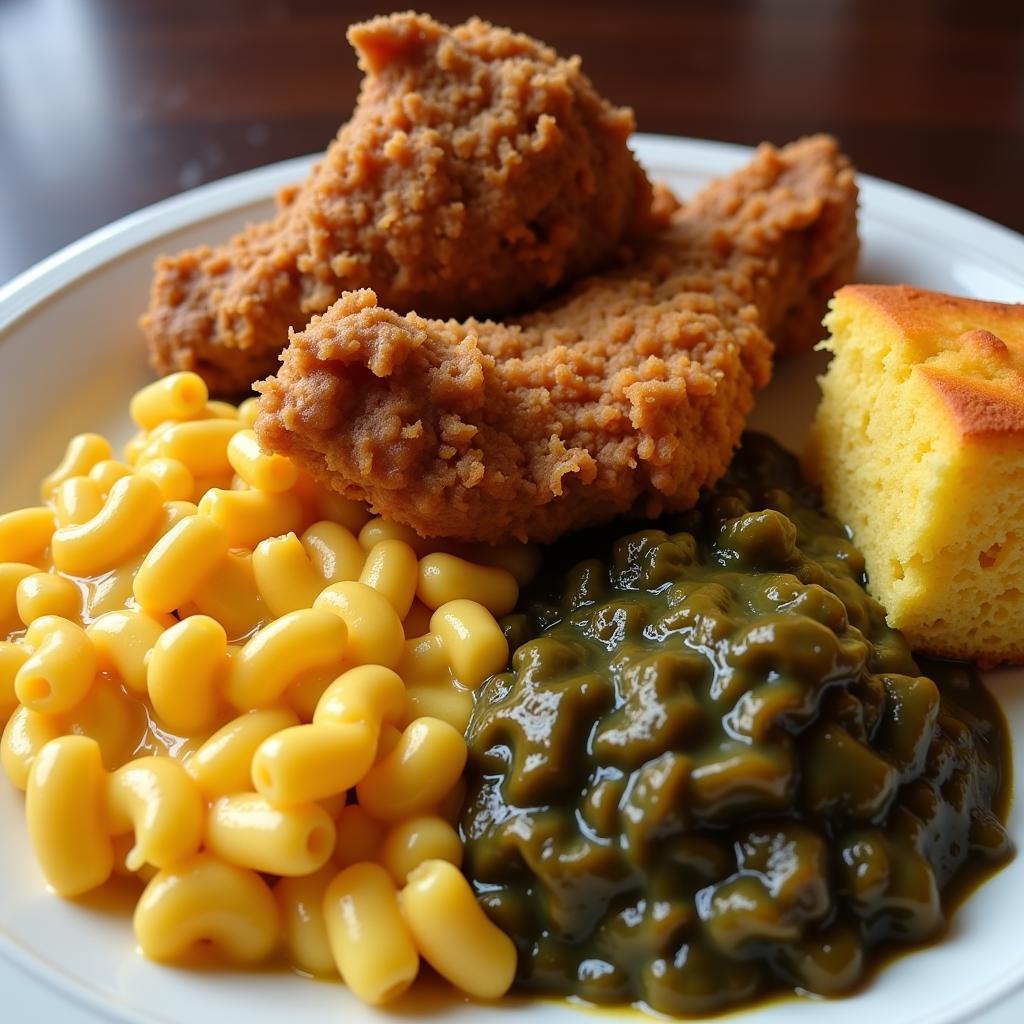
627 394
478 171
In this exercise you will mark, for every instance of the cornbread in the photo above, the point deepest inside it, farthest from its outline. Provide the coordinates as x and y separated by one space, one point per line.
918 446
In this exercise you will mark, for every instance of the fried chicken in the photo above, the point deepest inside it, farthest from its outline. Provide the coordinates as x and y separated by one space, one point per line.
478 171
628 394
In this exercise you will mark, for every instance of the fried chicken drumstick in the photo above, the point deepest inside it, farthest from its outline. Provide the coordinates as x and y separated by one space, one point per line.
478 171
629 393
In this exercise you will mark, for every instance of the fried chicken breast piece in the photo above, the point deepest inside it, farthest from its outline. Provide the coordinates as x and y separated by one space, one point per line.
478 171
627 394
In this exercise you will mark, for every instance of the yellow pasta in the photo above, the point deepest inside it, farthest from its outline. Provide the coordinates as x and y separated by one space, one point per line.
201 577
417 620
110 717
247 517
76 501
178 563
137 446
25 734
280 652
304 693
450 703
245 829
12 657
333 551
82 453
123 845
65 811
334 805
185 673
247 411
174 512
60 669
371 943
424 661
24 534
389 738
159 801
205 484
443 578
523 561
416 774
111 591
221 765
325 504
375 634
203 900
217 409
122 641
473 640
300 903
229 595
11 575
338 509
178 396
259 469
46 593
172 476
201 444
409 843
453 933
371 694
106 473
377 529
127 521
359 837
286 579
391 569
311 762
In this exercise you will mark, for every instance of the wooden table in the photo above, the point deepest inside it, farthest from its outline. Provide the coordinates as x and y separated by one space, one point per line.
107 105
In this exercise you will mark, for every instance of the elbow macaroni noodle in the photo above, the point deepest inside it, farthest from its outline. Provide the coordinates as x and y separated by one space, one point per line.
371 943
212 670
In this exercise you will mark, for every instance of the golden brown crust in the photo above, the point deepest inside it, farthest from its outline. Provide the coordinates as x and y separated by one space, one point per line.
478 171
977 371
980 409
930 320
629 392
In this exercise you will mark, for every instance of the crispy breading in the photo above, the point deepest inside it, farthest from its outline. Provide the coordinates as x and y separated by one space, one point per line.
478 171
628 393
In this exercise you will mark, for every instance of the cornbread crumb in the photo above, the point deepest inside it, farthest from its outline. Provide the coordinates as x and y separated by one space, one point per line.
918 446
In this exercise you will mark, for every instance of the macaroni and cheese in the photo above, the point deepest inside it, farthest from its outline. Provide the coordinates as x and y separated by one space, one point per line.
214 672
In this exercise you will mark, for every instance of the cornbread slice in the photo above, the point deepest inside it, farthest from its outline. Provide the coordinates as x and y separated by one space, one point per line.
918 446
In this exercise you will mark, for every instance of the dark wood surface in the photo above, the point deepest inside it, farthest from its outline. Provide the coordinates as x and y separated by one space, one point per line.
108 105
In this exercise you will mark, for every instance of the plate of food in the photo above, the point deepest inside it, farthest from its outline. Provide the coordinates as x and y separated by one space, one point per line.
567 620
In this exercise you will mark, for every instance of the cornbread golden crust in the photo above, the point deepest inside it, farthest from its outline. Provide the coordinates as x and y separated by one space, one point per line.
919 447
478 171
629 392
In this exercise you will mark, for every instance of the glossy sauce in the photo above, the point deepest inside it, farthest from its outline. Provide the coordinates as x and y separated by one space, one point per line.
713 773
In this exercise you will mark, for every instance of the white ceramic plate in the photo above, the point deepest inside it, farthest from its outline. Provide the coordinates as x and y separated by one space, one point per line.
71 354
